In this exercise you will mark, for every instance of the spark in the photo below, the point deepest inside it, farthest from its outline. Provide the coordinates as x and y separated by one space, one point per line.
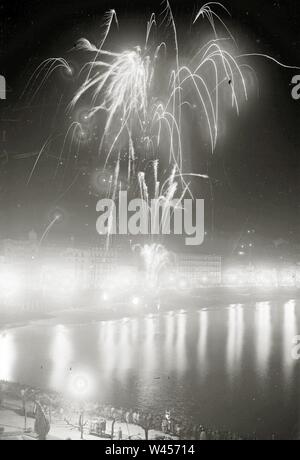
143 111
44 147
45 70
207 10
270 58
155 257
122 85
74 128
56 218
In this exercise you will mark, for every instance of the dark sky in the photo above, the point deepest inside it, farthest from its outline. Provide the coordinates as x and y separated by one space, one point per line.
255 169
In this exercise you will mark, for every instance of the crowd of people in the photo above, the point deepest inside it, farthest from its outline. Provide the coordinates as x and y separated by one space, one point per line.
167 424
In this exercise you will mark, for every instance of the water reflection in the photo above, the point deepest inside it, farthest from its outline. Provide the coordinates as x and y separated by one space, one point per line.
180 346
231 339
202 343
235 339
169 341
149 350
240 336
61 356
108 351
124 349
289 333
201 363
134 331
263 336
7 356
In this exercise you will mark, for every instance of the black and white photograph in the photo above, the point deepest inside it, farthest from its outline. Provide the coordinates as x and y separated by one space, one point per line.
150 222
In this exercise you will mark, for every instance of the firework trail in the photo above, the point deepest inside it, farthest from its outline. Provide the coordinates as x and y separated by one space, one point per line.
122 87
43 73
74 129
141 123
207 11
121 84
270 58
155 258
43 149
68 188
56 218
111 16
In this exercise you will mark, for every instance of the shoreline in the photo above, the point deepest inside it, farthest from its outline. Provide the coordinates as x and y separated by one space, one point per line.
208 300
201 299
63 415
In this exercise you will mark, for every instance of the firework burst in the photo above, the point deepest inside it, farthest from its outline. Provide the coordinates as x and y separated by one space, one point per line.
142 122
122 86
155 258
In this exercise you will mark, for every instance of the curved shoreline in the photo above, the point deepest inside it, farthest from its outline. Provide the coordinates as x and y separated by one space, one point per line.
210 298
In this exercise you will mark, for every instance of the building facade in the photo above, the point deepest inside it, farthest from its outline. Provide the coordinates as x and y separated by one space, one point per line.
199 270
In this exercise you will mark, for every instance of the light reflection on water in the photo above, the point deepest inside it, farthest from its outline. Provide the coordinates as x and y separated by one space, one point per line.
216 365
289 332
263 337
235 339
169 342
180 346
61 353
149 349
202 343
7 355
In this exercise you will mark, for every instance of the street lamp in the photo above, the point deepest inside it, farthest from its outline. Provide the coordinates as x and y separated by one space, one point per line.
136 301
80 387
105 297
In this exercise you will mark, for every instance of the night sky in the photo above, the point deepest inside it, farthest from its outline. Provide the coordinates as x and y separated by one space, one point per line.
254 171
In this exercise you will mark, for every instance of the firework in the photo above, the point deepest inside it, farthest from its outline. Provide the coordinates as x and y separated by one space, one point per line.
122 86
141 123
208 11
155 257
43 73
56 218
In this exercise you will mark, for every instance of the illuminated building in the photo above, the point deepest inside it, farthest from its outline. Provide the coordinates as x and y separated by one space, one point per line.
199 270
